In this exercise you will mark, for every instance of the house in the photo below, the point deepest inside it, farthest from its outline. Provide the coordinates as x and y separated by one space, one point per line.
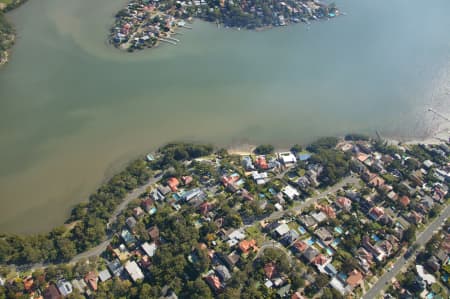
428 164
148 205
284 290
415 217
231 259
173 184
247 163
433 264
290 192
303 182
223 273
376 181
328 210
52 292
300 246
64 287
282 229
310 253
91 280
344 203
339 286
79 285
330 270
131 222
134 271
287 158
138 212
163 190
187 179
270 270
115 267
308 221
214 282
149 249
425 276
261 162
127 237
153 232
319 217
104 275
404 201
320 260
324 235
260 178
354 279
290 237
245 246
376 213
392 195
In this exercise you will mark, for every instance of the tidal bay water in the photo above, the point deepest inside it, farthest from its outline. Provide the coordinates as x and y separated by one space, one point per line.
74 110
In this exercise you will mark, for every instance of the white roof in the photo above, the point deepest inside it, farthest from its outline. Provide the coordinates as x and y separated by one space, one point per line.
282 229
287 157
278 207
237 234
149 249
64 287
338 286
268 284
319 217
134 270
104 275
290 191
428 278
257 176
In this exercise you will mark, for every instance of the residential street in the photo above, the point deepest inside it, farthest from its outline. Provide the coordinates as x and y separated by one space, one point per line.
421 240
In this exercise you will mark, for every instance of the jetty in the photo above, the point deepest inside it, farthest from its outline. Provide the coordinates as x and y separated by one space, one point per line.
168 41
439 114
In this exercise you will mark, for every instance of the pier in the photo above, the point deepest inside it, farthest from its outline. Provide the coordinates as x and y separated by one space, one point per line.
168 41
439 114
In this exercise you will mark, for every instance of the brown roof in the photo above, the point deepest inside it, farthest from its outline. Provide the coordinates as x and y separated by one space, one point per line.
354 278
154 233
52 292
300 246
320 260
270 270
91 279
173 184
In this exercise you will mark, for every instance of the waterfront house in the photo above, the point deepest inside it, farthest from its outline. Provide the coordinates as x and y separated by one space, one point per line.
287 158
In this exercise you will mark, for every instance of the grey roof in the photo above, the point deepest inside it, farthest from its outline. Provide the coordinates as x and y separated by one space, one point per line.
104 275
223 272
115 267
310 253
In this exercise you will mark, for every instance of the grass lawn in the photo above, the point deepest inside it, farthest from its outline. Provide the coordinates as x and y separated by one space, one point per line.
6 1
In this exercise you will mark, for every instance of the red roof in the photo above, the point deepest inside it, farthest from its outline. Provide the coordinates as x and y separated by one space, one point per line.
328 211
300 246
173 184
320 260
261 162
186 179
213 281
246 245
404 201
343 202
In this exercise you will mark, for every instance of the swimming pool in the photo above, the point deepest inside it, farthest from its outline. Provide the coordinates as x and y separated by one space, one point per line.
338 230
302 230
375 238
329 251
310 241
335 242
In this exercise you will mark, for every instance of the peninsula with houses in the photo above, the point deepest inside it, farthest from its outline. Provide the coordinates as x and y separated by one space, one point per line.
339 218
145 23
